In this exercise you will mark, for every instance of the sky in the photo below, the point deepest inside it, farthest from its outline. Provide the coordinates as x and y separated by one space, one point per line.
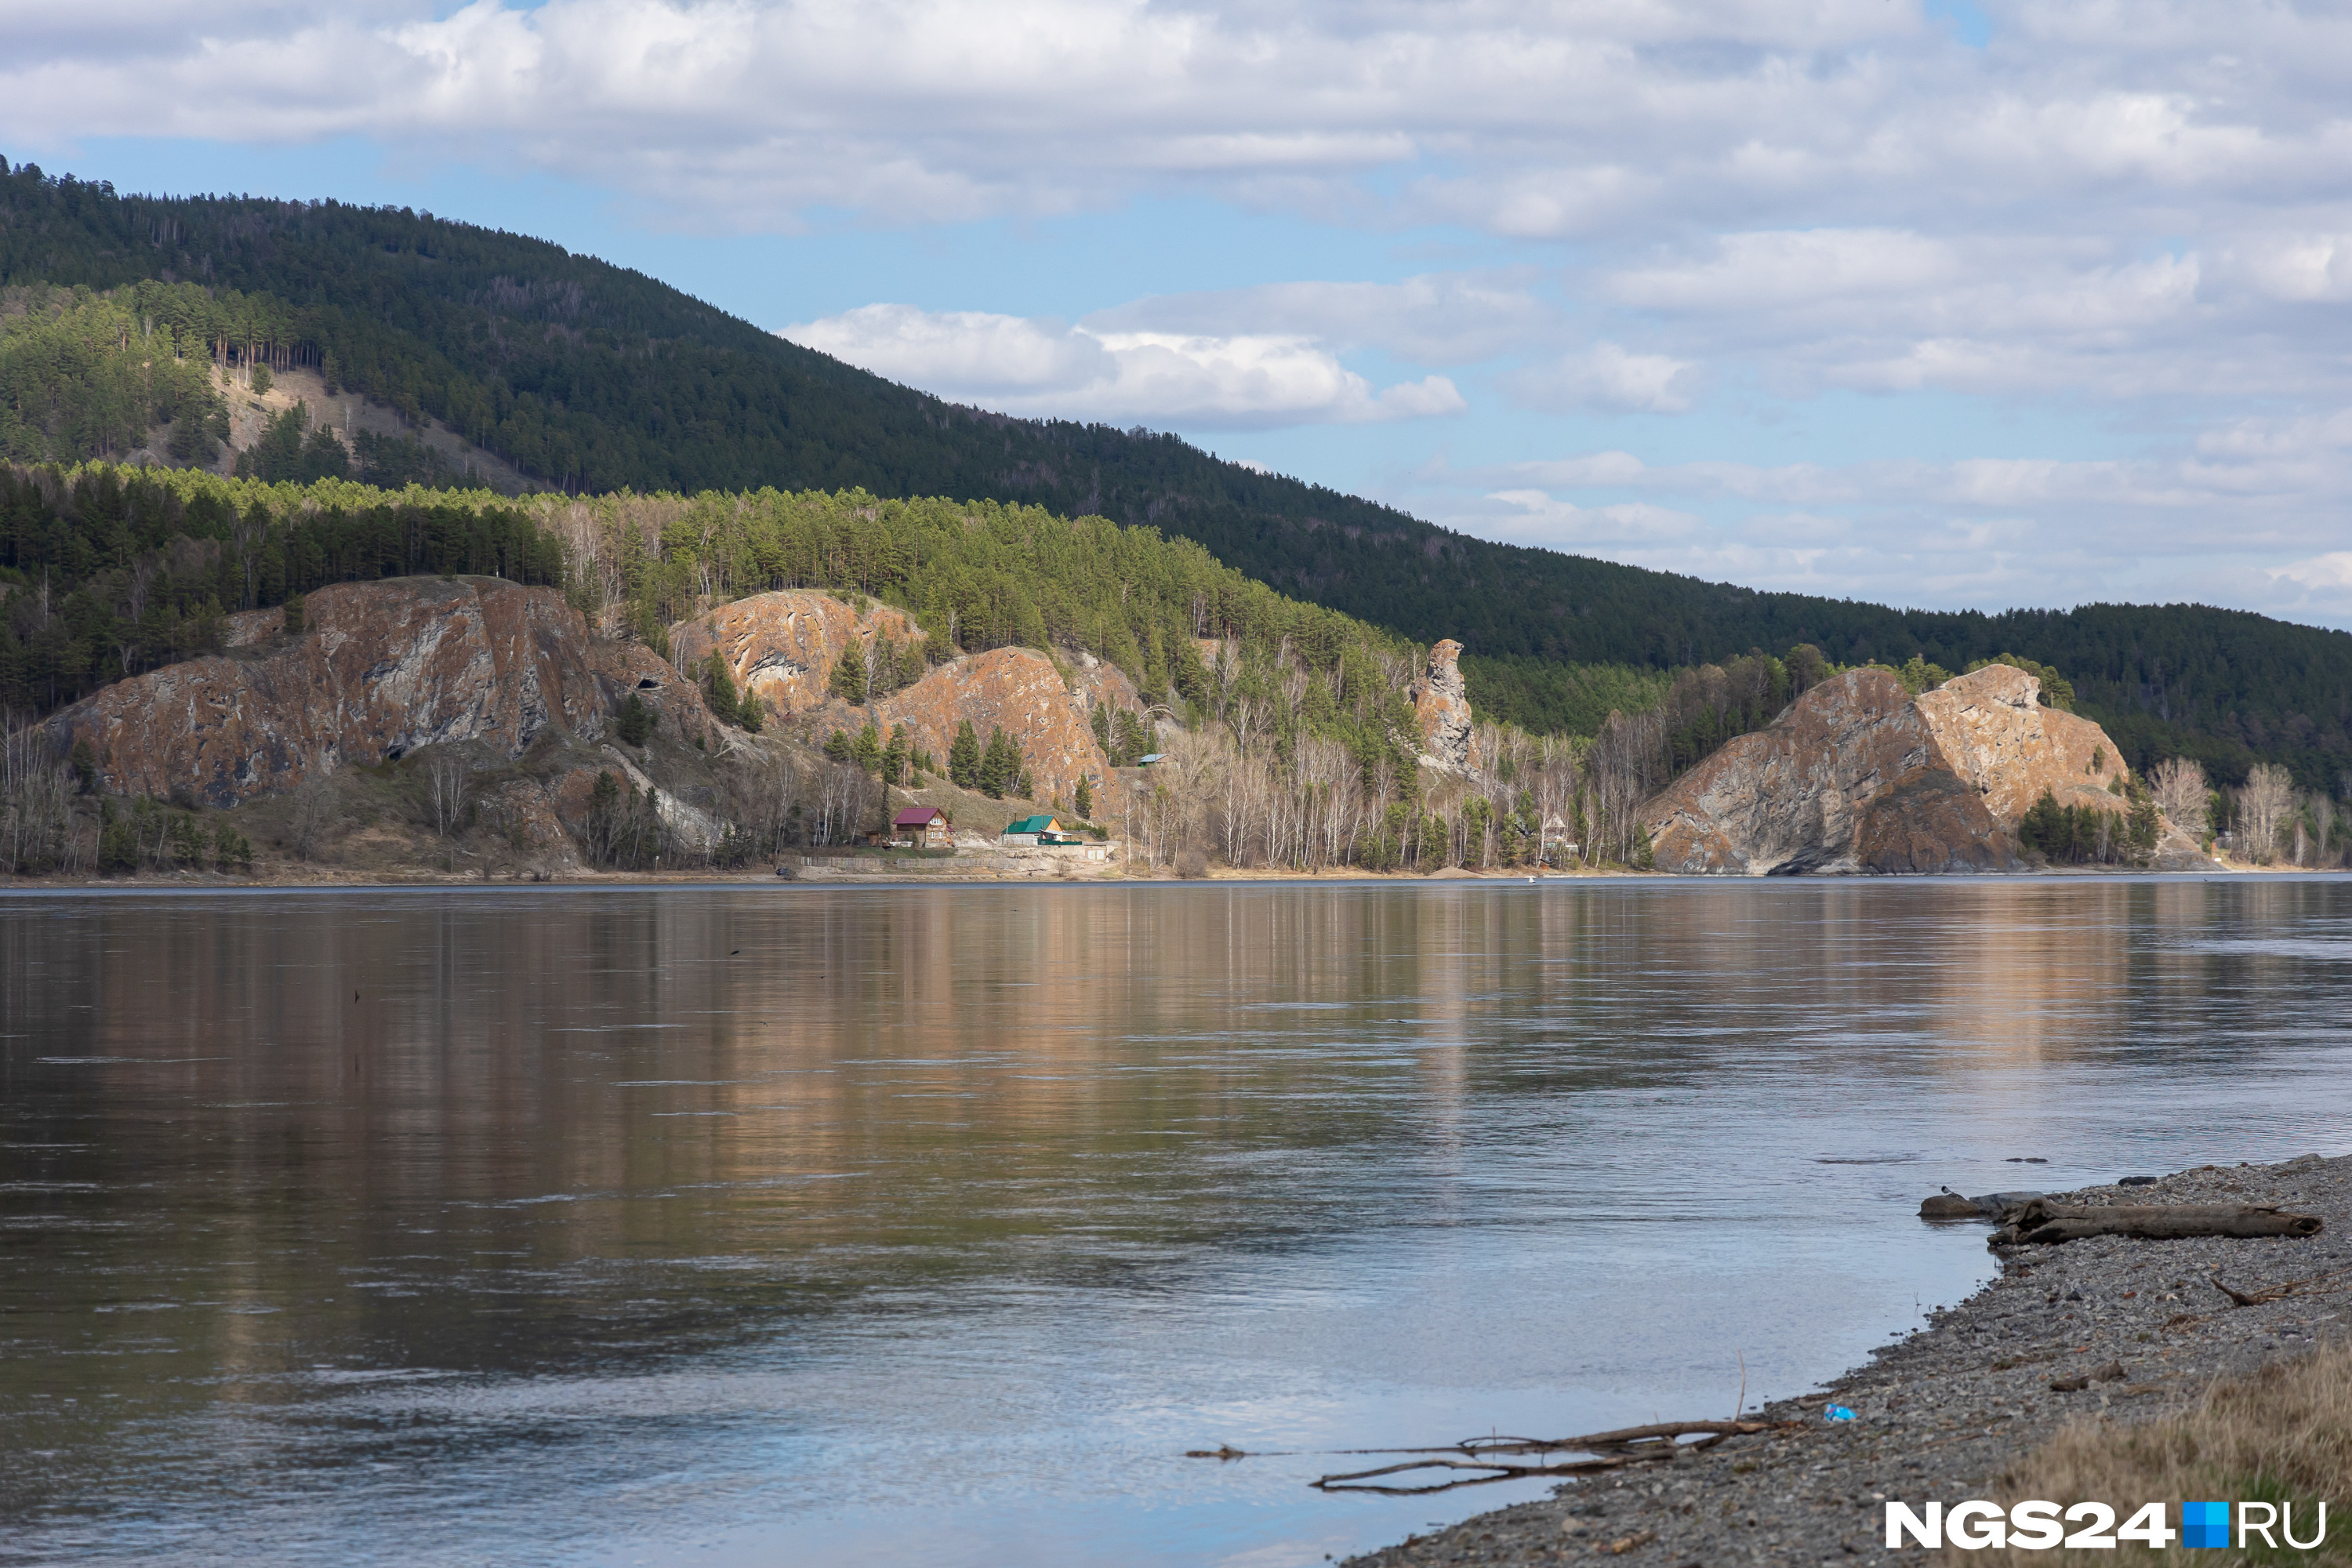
1942 305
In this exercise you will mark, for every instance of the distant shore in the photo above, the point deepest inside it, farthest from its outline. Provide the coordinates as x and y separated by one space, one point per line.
848 871
1943 1415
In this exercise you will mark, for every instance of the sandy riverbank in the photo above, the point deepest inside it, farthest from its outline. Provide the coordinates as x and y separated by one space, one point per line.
1942 1413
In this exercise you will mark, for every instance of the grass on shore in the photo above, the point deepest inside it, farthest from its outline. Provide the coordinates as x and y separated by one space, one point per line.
2285 1434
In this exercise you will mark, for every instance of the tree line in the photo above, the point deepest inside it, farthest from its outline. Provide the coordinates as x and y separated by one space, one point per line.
107 573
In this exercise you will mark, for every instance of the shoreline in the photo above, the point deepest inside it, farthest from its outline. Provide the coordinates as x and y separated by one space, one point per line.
328 878
1941 1414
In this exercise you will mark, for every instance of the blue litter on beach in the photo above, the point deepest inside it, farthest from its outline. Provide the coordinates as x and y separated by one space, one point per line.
1840 1413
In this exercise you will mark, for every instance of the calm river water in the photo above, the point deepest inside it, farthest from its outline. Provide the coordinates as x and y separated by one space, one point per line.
796 1226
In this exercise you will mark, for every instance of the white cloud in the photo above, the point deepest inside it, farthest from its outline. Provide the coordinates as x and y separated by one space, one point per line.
1606 377
1437 318
2331 573
2245 514
1535 517
1043 367
1518 119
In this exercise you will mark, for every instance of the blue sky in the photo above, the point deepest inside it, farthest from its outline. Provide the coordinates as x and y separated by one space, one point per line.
1946 305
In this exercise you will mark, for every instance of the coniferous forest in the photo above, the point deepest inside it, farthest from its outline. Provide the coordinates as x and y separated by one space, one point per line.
591 378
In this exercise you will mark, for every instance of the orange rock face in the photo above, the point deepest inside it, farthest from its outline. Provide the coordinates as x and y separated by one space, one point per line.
1857 776
784 645
382 668
1442 702
1994 733
1016 688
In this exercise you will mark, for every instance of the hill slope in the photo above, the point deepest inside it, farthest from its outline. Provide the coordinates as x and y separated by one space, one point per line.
591 377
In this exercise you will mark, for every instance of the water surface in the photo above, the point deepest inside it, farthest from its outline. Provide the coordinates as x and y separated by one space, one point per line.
789 1224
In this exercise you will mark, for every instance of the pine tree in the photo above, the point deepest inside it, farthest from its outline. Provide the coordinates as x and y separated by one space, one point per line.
720 687
1085 799
1102 728
999 765
963 757
2044 826
894 759
636 720
1133 742
849 674
869 748
838 745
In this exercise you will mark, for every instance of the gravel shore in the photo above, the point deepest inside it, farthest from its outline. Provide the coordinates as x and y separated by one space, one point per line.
1940 1415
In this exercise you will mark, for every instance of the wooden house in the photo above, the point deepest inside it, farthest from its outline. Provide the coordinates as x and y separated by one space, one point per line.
924 827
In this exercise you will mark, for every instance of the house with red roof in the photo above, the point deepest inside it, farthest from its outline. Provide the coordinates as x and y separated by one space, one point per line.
925 826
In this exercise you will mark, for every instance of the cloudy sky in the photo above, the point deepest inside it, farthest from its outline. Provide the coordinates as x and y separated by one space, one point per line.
1938 304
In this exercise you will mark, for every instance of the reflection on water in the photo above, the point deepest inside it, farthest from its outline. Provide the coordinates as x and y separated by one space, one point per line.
807 1225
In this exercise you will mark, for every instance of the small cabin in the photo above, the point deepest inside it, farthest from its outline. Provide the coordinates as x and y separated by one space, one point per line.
924 827
1036 830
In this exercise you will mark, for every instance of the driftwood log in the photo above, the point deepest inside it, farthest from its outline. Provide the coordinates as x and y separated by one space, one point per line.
1483 1458
2042 1222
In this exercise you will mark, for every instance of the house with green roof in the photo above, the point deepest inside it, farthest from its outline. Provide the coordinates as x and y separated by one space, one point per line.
1039 831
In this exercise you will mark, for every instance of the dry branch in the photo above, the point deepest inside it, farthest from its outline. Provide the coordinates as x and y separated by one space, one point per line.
2042 1222
1608 1451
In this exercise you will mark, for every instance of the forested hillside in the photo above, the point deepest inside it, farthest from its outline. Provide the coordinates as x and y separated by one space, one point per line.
106 571
594 378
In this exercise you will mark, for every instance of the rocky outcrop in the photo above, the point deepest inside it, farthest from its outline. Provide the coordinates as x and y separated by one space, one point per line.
782 647
1858 776
380 670
1014 688
785 646
1442 703
1993 732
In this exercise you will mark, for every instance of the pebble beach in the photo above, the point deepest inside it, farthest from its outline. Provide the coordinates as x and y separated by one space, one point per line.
2106 1328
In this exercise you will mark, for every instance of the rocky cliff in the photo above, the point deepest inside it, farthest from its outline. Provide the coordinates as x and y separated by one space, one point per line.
1858 776
1993 732
785 646
1020 690
380 669
782 647
1442 702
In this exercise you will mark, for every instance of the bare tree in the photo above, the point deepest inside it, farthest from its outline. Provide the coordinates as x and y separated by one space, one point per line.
2262 807
448 789
313 812
846 796
2182 794
37 791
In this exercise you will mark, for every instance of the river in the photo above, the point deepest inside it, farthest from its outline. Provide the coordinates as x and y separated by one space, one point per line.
761 1225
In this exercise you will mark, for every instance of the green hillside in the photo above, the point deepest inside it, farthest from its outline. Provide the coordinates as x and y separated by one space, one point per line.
594 378
106 571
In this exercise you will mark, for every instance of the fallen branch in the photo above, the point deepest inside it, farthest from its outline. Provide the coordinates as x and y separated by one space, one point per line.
2042 1222
2276 1293
1608 1451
